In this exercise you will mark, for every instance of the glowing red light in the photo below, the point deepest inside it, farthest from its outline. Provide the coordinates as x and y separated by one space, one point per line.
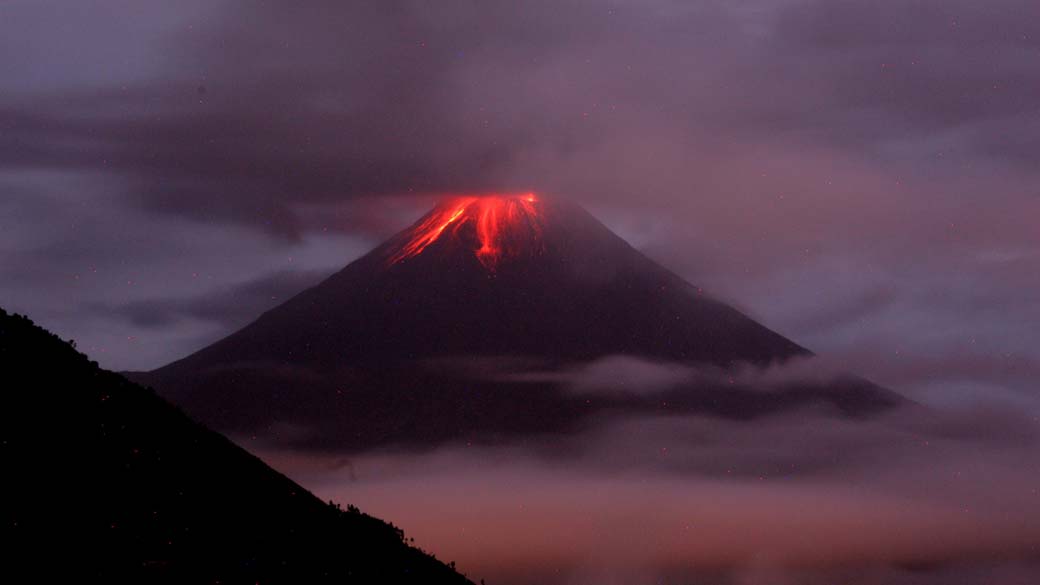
503 225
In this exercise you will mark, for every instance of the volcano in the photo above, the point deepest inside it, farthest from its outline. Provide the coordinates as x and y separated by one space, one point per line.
434 335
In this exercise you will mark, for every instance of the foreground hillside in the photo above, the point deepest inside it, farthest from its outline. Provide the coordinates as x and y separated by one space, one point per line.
108 482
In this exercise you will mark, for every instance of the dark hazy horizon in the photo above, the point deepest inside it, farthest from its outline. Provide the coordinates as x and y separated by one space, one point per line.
857 175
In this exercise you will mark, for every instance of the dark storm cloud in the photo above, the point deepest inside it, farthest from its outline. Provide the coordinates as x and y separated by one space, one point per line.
248 160
279 104
284 105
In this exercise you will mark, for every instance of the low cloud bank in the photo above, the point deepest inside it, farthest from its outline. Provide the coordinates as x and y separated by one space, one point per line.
917 497
622 375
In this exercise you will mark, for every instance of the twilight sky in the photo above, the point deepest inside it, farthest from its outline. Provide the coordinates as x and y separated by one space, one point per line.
860 175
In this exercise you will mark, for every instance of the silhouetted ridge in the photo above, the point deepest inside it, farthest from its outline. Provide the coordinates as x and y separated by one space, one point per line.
108 483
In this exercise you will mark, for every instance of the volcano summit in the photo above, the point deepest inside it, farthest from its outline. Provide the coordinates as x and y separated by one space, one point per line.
504 227
464 325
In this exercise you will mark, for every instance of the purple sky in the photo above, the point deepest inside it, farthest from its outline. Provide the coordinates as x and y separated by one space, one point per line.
860 175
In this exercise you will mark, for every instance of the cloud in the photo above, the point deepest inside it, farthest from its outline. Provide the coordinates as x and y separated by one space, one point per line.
850 172
858 175
269 107
234 306
614 375
625 375
137 291
799 498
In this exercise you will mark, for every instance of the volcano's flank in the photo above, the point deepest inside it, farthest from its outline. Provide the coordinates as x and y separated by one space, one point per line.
359 360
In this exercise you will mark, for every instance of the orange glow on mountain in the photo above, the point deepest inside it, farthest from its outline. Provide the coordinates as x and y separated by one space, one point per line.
496 226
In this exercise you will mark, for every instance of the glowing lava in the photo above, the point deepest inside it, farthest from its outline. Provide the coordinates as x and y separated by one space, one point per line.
496 226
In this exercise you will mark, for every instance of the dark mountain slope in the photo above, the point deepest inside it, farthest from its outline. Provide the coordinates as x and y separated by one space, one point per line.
106 482
566 289
507 276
